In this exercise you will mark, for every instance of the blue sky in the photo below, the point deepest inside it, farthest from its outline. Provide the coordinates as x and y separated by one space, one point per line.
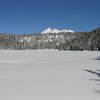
33 16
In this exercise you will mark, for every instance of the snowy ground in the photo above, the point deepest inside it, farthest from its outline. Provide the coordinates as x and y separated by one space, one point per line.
48 75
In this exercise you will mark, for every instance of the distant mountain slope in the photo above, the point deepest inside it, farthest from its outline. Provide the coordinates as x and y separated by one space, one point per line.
86 41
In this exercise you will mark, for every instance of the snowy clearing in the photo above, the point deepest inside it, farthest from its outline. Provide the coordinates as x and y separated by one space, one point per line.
48 75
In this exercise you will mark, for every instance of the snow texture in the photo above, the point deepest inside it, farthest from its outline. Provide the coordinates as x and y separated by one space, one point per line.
53 30
48 75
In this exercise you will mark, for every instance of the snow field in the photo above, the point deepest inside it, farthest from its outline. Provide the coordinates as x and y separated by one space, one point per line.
48 75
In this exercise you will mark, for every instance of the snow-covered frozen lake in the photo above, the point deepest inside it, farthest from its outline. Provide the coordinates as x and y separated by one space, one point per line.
48 75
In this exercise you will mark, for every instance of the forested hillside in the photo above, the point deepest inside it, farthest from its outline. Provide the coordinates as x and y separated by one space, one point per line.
60 41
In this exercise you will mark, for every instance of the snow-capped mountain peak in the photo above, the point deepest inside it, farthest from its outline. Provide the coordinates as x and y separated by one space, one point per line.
54 30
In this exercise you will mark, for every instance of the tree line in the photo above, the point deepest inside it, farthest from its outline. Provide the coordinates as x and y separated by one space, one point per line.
60 41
